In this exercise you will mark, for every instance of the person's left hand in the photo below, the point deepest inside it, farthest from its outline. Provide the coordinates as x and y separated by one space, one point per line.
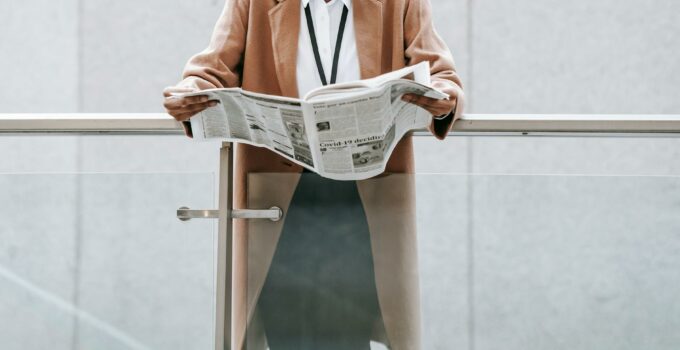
436 107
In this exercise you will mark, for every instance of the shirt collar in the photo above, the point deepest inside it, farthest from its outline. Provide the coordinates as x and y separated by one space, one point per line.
347 3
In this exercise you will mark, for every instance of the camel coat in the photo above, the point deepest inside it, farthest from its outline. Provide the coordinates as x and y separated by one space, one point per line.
254 46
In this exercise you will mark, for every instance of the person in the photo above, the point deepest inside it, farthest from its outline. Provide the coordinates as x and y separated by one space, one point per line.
340 269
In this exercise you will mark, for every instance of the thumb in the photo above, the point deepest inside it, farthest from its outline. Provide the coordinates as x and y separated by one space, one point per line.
170 90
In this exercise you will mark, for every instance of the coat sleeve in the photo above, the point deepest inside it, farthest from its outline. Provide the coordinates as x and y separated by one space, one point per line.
422 43
220 64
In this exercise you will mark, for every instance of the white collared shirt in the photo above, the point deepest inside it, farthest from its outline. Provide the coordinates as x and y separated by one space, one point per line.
326 18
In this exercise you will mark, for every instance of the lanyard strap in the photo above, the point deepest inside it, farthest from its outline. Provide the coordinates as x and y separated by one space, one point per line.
315 46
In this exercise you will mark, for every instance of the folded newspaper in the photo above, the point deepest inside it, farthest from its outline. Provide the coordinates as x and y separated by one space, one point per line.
344 131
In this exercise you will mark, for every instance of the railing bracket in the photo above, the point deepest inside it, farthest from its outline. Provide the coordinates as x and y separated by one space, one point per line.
273 214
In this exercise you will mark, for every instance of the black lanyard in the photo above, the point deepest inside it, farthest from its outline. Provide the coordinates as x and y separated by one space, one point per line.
315 46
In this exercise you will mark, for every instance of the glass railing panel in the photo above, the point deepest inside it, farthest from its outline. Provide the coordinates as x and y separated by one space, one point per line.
35 154
37 261
642 155
474 261
175 154
586 262
529 242
443 248
100 261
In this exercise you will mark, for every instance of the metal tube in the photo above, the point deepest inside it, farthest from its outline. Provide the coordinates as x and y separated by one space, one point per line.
223 246
470 124
273 214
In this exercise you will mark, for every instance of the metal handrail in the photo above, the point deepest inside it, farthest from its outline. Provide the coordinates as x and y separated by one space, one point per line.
470 124
90 123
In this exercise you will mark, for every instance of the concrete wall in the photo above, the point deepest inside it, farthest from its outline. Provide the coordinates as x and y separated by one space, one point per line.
552 243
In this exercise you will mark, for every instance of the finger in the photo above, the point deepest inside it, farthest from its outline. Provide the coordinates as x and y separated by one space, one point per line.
442 109
181 102
439 112
182 117
195 108
190 100
421 101
168 91
442 106
434 106
434 111
178 116
186 114
439 105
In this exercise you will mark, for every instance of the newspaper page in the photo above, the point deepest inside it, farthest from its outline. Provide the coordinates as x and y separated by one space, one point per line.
357 129
357 134
343 132
261 120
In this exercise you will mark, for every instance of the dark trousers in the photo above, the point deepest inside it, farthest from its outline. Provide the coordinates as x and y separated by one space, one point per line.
320 289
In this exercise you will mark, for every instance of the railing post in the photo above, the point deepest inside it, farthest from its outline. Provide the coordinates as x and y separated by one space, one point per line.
223 245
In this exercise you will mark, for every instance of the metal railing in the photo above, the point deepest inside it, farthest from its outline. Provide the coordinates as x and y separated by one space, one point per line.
163 124
470 124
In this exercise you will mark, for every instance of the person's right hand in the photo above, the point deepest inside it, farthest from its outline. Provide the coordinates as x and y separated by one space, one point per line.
183 108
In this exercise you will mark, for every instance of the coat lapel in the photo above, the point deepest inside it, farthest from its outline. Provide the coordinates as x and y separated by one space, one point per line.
368 28
285 26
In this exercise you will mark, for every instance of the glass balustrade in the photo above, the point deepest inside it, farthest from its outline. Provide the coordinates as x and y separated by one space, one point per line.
495 242
524 261
91 253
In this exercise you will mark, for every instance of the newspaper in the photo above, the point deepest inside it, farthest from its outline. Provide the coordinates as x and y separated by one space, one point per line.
344 131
